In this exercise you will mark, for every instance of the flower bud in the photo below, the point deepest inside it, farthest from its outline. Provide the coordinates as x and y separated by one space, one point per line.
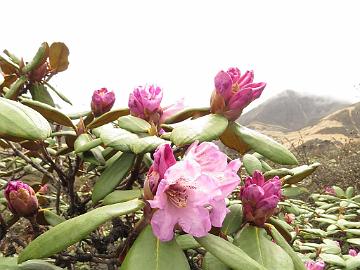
260 198
21 199
233 92
312 265
102 101
330 191
39 73
163 159
144 102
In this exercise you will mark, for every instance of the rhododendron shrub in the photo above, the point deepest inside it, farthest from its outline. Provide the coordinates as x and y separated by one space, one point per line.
147 186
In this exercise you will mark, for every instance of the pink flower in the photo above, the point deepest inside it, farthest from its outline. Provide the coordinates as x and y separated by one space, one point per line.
330 191
102 101
260 198
145 103
233 92
312 265
21 199
353 252
193 191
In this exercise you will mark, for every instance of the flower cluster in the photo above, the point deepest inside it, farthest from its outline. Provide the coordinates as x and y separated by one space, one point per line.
312 265
190 193
233 92
260 198
21 199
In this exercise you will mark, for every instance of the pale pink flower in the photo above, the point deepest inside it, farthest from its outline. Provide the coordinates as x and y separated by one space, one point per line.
353 252
233 92
312 265
192 193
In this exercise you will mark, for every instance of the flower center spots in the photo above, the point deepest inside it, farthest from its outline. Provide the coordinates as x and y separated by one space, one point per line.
177 195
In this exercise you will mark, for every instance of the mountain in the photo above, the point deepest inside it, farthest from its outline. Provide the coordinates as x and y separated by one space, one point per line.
290 111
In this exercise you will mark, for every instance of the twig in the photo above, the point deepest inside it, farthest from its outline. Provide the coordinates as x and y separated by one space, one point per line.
135 172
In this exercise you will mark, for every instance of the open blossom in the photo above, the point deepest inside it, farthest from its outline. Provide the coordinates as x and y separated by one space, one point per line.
145 102
312 265
260 198
102 101
192 192
233 92
353 252
21 199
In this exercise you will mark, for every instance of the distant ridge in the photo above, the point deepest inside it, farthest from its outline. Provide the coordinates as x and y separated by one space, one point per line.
291 111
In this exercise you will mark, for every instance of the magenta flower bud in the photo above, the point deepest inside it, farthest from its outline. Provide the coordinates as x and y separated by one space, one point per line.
312 265
21 199
144 102
102 101
234 92
353 252
163 159
260 198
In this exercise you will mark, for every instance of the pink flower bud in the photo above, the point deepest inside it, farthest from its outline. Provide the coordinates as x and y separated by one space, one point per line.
102 101
353 252
260 198
330 191
289 218
21 199
163 159
234 92
312 265
144 102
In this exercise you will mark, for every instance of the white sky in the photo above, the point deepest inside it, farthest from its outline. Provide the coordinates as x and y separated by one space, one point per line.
308 46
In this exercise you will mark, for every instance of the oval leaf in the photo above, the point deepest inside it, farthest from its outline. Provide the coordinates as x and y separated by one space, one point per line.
118 196
20 121
134 124
264 145
206 128
108 118
251 164
64 235
112 176
229 254
299 173
41 94
187 113
149 253
210 262
58 57
39 58
233 219
253 241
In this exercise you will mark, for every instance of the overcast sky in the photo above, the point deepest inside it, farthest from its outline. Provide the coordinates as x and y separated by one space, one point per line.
308 46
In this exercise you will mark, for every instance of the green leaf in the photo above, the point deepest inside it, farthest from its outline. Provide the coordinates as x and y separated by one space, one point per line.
206 128
233 219
282 227
134 124
293 191
254 242
353 263
112 176
122 196
349 192
73 230
38 265
232 140
108 118
40 93
251 164
229 254
264 145
50 113
20 121
15 88
354 241
278 172
81 145
52 218
187 113
299 173
39 58
149 253
210 262
340 193
187 241
332 259
298 263
8 263
145 144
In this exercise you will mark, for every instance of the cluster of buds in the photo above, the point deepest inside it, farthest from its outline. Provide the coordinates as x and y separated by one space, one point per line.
260 198
102 101
21 199
233 92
